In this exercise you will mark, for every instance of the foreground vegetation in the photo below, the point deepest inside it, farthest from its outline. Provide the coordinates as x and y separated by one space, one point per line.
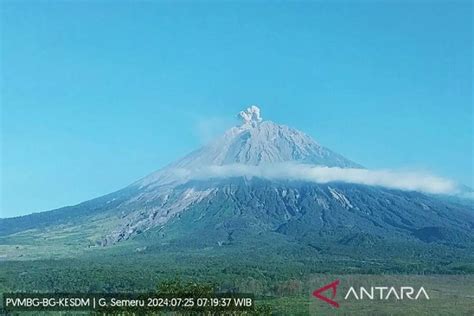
282 283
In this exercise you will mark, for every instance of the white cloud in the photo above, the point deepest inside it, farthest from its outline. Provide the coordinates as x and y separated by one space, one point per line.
411 181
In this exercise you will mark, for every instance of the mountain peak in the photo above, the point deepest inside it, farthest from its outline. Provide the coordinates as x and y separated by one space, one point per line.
255 142
251 116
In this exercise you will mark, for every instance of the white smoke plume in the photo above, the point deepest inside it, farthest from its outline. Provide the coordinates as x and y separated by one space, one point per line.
252 114
409 181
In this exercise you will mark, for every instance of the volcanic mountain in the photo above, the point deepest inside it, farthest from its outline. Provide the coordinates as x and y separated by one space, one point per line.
207 200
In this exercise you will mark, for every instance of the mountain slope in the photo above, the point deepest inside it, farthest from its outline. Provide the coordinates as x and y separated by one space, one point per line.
303 211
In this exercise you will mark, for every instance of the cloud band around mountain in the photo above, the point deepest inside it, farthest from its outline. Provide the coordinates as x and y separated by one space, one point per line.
410 181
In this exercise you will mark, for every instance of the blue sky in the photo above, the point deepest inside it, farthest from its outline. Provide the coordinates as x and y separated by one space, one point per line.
97 95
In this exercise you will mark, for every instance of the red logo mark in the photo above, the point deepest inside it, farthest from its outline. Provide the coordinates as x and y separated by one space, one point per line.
333 286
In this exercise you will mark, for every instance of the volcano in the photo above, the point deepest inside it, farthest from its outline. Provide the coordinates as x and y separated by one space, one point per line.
208 200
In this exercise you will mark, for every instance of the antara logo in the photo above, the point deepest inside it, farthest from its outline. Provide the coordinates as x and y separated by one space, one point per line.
372 293
333 286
